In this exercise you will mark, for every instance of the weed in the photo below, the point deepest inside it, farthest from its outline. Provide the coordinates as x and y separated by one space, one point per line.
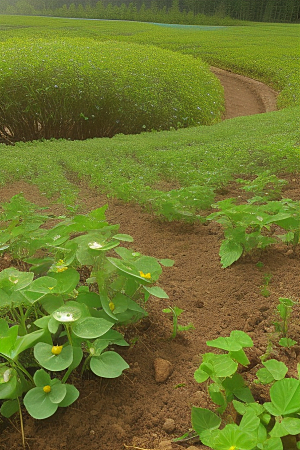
176 312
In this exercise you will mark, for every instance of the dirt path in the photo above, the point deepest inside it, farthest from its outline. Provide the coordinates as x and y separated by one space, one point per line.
244 96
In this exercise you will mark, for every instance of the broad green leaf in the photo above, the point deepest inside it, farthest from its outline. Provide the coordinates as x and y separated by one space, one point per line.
41 378
166 262
39 288
27 341
276 368
38 404
120 302
111 337
217 395
285 397
57 393
243 338
5 299
223 365
203 419
287 426
233 436
14 280
9 337
273 444
72 394
105 301
156 291
90 299
68 313
43 354
65 281
91 327
225 343
250 422
9 387
201 376
9 408
287 342
147 264
230 252
264 376
51 303
53 325
278 430
123 237
240 356
108 365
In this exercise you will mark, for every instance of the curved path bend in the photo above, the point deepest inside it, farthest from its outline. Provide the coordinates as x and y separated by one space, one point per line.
245 96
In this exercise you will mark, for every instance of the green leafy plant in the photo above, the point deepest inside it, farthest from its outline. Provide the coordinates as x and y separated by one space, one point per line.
284 309
176 312
53 320
266 185
248 226
265 426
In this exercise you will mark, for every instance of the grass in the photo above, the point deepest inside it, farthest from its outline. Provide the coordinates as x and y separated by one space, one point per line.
176 171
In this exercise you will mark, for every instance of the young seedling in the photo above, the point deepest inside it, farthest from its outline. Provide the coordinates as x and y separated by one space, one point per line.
176 312
284 310
264 288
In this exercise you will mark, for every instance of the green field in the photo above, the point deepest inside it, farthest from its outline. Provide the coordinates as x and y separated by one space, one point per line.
193 162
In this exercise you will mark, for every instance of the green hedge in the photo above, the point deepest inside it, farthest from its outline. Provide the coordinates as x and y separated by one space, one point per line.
79 88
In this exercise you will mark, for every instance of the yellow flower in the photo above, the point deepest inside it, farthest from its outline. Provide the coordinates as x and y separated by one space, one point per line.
111 306
47 389
61 269
233 447
145 275
56 349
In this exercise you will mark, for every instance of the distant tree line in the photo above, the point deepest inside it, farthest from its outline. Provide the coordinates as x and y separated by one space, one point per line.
165 11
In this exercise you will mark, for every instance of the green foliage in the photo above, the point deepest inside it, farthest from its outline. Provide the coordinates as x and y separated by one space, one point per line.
81 88
265 185
246 226
174 173
61 320
176 312
178 12
262 426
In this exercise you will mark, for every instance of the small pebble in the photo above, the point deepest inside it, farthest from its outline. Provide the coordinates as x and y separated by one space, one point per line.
169 426
163 369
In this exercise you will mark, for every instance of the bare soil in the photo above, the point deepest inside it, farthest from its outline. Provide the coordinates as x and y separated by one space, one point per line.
135 411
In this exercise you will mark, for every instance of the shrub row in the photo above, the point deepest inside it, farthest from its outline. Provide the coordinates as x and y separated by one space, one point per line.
79 88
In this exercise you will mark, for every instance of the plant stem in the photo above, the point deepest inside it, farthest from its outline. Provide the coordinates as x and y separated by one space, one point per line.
21 423
69 335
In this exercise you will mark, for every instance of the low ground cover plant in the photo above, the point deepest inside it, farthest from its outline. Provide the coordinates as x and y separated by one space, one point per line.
81 88
54 319
273 425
